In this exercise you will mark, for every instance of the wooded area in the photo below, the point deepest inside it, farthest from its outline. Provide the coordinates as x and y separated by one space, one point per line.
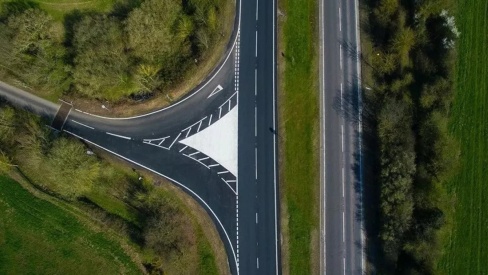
412 63
140 48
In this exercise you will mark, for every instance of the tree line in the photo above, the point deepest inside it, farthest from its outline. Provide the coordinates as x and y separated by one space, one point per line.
412 64
140 48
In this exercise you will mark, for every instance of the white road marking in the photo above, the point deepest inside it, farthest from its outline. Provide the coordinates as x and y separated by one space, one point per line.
256 43
222 172
220 112
192 154
216 90
257 263
173 180
274 141
210 120
340 21
342 137
213 165
237 215
183 149
205 158
255 82
119 136
256 217
176 140
343 183
162 140
199 125
343 227
84 125
257 6
256 161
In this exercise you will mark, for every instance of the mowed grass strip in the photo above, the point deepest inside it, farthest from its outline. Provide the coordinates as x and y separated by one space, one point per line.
39 237
299 137
467 246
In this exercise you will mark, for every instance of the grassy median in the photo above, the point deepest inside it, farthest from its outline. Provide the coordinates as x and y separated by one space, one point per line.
467 243
299 138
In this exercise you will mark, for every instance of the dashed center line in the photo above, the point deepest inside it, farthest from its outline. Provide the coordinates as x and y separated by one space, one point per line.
119 136
84 125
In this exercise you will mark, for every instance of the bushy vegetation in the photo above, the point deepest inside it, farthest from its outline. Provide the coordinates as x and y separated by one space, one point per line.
139 48
409 104
151 218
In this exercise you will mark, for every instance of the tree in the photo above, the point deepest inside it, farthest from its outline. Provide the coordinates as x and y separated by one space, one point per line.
102 68
72 172
33 50
151 30
402 44
385 11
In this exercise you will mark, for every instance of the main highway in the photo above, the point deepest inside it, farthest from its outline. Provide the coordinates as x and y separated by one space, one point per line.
218 143
342 234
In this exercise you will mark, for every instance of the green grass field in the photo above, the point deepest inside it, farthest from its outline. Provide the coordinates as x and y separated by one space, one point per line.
299 114
37 237
58 8
467 244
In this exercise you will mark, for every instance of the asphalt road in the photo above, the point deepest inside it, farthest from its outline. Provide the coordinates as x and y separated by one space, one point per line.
244 206
342 245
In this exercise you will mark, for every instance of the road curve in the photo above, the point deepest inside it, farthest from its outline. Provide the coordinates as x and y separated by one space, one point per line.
244 209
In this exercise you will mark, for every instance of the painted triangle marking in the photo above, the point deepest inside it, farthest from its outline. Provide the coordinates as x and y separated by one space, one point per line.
218 141
216 90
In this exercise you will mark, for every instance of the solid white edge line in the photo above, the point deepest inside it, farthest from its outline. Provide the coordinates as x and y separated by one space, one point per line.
119 136
192 94
274 136
175 181
322 94
84 125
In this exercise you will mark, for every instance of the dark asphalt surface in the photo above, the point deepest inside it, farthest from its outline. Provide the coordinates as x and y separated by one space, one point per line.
245 212
258 194
341 168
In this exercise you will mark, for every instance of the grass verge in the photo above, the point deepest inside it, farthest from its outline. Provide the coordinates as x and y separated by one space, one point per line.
299 126
32 229
467 244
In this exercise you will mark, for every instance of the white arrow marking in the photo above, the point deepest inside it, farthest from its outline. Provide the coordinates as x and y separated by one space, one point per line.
217 89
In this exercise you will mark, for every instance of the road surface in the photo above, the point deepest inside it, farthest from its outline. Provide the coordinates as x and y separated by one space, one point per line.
342 239
218 144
